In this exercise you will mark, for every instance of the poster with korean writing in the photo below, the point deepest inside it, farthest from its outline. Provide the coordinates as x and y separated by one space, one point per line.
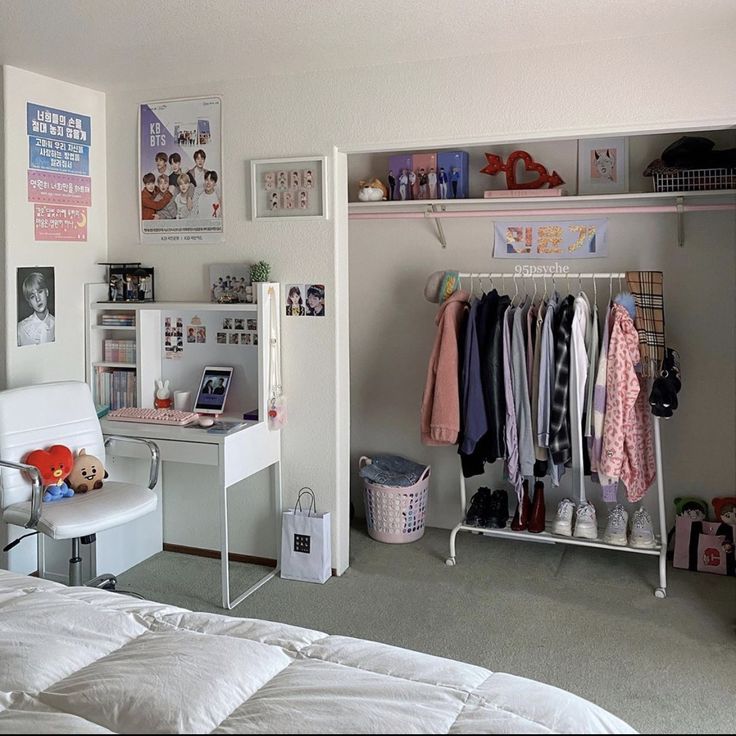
550 239
180 171
59 185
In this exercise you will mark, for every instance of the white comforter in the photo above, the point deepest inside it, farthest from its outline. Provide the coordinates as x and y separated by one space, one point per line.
77 660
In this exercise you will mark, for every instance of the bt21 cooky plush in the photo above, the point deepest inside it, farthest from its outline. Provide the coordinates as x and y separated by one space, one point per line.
87 473
54 465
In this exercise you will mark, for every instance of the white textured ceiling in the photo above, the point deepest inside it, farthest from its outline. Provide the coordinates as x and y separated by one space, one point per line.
149 43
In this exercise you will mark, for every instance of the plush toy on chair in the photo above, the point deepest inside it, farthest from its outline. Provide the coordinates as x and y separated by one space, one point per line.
54 465
87 473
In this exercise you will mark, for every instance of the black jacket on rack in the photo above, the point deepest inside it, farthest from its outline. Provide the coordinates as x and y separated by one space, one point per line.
489 327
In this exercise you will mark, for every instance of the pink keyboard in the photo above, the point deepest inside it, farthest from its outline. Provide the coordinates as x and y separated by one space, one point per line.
153 416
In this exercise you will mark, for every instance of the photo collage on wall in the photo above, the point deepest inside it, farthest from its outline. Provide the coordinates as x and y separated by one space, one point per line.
305 300
238 331
173 338
288 190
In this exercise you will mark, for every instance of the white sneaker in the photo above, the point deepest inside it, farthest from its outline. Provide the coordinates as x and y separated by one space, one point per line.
563 518
618 519
642 534
586 525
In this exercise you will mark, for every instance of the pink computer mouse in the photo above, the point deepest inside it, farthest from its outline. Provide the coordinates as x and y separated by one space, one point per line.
206 421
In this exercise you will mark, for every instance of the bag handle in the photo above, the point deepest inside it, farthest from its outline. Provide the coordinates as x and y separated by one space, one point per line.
306 491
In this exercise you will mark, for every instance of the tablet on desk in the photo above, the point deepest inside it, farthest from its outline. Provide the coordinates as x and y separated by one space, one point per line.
213 390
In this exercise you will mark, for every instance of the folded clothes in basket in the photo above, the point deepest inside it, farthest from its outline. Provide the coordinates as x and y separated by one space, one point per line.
392 470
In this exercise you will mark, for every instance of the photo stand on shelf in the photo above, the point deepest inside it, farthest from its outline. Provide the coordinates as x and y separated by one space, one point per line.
289 188
129 282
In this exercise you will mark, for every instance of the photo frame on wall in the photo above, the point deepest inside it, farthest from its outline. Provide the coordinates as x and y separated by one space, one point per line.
603 166
289 187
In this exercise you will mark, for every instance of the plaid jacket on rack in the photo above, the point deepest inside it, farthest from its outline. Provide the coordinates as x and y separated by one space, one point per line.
559 440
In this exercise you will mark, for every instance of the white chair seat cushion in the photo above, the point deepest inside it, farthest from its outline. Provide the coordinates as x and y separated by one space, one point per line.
87 513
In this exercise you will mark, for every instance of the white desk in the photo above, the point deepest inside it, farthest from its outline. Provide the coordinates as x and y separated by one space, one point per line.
237 455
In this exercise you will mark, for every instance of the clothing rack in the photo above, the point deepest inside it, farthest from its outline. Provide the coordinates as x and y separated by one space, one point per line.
577 467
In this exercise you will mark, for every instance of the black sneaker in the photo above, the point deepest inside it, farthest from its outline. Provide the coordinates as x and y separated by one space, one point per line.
498 513
479 508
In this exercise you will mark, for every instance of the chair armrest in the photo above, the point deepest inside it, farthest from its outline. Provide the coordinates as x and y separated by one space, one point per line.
152 446
33 471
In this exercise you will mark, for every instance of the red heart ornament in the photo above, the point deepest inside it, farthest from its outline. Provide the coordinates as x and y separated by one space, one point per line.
54 464
529 165
495 165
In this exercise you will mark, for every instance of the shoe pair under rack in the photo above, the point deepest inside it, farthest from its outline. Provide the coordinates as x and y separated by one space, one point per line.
641 535
489 510
586 525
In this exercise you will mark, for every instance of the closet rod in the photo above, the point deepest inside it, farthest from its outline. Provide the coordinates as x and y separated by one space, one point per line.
512 274
557 212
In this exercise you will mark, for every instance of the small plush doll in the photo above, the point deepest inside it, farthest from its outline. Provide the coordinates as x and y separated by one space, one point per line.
87 473
54 465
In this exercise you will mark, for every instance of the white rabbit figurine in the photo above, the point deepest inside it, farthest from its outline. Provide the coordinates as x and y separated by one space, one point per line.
163 395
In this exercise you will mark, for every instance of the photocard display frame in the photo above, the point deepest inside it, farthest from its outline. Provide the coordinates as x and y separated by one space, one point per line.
286 188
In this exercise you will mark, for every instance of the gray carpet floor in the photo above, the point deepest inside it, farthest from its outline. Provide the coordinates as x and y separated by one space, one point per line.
585 620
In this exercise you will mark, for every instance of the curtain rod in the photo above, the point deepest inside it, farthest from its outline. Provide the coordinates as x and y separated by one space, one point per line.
557 212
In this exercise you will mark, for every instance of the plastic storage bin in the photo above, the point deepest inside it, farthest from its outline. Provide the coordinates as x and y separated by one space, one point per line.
395 514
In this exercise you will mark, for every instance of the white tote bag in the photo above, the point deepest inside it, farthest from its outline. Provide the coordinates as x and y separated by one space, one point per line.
306 547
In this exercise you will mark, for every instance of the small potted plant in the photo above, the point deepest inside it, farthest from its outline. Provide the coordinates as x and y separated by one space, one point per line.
259 272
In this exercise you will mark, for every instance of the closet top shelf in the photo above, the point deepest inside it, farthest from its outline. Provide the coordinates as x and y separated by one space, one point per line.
612 200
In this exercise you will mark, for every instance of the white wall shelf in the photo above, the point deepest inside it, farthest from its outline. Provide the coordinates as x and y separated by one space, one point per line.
113 327
172 306
612 200
586 205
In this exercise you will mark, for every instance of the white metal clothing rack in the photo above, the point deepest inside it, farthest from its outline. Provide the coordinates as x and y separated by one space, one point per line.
546 537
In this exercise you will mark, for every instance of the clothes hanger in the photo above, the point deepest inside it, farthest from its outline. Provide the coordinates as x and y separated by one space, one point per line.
595 291
610 288
544 278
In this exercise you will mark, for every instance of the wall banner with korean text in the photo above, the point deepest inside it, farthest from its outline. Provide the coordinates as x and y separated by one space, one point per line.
59 184
550 239
180 180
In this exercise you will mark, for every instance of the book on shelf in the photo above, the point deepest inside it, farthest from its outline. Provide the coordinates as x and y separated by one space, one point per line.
505 193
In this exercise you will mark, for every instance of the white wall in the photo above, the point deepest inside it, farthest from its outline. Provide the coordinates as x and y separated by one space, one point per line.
666 82
74 263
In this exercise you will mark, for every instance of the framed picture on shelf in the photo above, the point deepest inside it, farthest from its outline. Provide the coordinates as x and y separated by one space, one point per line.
289 187
228 282
603 166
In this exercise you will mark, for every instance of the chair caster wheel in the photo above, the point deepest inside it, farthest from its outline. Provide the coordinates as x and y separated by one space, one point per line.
450 562
660 593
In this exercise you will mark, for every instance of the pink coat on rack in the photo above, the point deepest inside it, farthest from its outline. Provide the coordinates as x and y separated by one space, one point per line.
628 448
440 419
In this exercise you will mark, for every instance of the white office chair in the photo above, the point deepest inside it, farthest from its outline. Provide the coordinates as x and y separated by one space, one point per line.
63 413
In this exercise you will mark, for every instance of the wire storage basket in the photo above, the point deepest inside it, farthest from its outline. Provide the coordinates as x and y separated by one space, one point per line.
395 514
694 180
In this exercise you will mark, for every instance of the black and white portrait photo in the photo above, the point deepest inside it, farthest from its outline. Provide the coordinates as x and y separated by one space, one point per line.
35 292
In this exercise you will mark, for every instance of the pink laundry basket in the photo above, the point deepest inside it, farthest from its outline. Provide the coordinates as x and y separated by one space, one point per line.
395 514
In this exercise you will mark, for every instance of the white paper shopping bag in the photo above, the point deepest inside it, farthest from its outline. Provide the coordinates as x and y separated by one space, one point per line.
306 547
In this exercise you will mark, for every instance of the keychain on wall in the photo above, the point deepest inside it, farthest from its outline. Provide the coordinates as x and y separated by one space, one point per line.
276 400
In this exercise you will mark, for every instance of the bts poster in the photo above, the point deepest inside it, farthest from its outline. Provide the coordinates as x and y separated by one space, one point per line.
180 171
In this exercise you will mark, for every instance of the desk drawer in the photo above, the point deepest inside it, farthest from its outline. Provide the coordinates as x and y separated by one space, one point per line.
199 453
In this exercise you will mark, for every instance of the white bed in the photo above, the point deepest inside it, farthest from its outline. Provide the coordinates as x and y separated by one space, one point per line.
78 660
